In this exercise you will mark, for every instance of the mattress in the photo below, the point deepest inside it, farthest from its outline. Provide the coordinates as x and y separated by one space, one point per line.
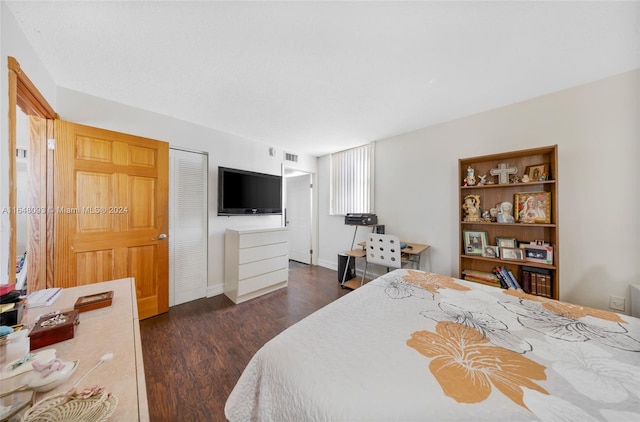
418 346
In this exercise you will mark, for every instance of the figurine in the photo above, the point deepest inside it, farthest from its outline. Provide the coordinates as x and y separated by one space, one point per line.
471 207
525 179
470 180
503 172
505 216
483 180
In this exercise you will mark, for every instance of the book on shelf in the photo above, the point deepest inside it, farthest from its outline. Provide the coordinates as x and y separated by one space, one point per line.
526 281
540 281
481 277
504 283
513 279
508 277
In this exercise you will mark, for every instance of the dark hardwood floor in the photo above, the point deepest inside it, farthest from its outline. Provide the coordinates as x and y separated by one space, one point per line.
195 353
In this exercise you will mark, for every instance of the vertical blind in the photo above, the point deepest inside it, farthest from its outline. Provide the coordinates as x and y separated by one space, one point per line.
352 180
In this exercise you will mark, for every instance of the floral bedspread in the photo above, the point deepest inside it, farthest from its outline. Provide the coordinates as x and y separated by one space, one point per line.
417 346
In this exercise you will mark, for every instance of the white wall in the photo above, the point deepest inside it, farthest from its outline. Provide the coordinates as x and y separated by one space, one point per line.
596 127
224 149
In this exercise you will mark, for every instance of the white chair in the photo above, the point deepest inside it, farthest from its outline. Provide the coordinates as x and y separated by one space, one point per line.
382 249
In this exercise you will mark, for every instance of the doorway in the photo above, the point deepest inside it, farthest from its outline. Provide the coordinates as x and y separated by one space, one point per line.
299 215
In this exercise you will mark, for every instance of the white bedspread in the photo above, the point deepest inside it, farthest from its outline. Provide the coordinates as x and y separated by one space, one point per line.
415 346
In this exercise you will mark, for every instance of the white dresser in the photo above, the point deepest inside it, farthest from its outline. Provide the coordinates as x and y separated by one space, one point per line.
256 262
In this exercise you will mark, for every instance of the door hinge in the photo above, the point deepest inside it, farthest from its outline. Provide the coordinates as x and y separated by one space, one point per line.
310 251
51 143
310 185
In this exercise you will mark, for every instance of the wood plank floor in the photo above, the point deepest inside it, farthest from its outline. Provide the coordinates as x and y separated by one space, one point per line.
195 353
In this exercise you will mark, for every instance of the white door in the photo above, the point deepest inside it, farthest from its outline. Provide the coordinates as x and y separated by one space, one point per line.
298 216
188 228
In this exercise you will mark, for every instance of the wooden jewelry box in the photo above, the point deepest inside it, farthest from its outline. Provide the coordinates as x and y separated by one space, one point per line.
53 328
95 301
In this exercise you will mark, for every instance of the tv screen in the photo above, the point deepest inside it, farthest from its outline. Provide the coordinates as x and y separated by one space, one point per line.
242 192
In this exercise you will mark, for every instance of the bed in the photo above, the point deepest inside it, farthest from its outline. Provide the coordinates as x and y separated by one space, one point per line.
418 346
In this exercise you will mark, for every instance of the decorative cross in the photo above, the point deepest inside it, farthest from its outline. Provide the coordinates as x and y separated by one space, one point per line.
503 173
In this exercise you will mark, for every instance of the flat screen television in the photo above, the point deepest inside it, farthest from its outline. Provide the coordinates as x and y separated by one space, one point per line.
242 192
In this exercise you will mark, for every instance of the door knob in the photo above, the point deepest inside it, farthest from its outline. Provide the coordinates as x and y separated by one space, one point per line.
160 237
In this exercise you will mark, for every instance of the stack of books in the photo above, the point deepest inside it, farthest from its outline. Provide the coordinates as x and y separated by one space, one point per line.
481 277
537 281
507 279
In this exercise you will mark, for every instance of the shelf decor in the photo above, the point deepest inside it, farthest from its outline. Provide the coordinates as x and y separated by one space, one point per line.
522 211
503 172
533 207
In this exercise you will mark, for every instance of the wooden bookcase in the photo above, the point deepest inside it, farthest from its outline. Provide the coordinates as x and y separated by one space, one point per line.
492 194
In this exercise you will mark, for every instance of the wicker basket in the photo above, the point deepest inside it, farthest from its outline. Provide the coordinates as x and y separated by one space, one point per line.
97 408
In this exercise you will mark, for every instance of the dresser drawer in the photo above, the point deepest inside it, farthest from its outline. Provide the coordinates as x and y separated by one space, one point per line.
250 240
262 281
253 269
260 253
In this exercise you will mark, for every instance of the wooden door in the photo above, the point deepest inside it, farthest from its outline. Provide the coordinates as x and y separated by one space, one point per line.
111 205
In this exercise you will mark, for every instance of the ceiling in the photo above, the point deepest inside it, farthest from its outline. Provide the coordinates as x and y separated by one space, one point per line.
317 77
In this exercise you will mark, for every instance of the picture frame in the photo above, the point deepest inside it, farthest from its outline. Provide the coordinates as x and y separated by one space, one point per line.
512 254
533 207
506 242
94 301
474 241
538 172
490 251
539 254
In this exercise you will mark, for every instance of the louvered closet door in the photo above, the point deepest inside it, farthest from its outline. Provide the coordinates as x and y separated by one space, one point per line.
187 226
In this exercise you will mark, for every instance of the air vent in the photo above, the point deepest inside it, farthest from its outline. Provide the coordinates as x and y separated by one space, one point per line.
290 157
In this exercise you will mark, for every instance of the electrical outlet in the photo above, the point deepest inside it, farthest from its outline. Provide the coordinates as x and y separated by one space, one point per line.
616 303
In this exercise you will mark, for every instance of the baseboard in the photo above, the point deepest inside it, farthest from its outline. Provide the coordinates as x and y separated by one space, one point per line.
215 290
328 264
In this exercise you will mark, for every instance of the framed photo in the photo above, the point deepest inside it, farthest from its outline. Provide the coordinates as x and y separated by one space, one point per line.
538 173
512 254
95 301
539 254
474 242
491 252
506 242
533 207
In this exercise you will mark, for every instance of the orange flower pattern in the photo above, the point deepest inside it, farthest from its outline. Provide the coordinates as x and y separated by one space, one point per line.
568 310
432 282
466 365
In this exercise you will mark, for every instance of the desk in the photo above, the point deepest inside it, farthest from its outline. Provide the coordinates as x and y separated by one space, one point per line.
411 254
112 329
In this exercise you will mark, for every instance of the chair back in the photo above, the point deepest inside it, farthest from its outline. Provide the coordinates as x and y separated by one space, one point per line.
384 249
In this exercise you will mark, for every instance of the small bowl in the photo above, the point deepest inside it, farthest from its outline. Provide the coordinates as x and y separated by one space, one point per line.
37 383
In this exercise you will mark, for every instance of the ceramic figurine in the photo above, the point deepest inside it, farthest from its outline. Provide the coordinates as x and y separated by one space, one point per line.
470 179
471 207
505 215
525 179
483 180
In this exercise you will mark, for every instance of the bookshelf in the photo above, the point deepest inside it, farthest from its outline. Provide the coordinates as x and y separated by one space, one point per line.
544 229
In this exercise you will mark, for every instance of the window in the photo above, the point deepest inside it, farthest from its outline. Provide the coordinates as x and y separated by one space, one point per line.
352 180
